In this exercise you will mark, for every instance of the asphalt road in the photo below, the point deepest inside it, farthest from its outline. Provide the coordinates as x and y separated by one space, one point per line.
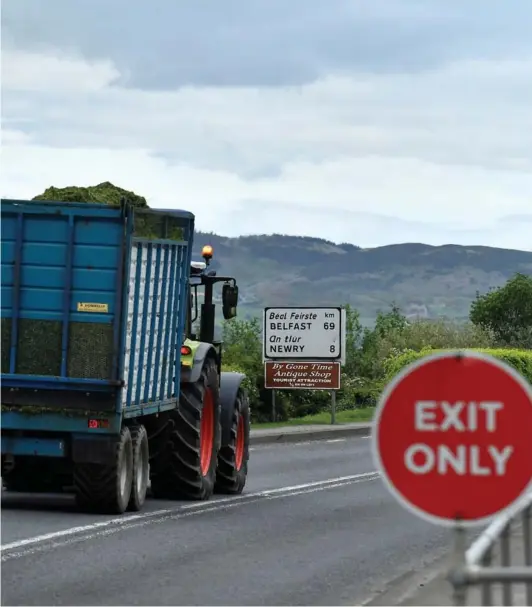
314 527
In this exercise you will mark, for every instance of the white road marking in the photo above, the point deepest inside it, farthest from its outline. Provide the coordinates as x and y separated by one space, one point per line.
103 528
178 515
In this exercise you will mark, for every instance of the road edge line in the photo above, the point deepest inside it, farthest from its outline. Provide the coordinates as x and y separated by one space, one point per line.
304 435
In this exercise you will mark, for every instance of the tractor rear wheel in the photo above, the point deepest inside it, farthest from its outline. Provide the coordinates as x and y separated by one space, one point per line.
233 457
186 467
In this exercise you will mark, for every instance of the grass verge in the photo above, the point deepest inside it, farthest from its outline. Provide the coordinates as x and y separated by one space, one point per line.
342 417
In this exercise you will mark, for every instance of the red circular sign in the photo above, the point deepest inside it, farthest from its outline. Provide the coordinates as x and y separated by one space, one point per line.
453 437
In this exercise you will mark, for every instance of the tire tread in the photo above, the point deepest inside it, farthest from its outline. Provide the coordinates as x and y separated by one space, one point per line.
138 436
229 480
96 485
176 467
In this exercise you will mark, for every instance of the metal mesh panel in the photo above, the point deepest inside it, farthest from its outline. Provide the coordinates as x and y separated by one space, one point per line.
90 348
90 351
39 347
6 343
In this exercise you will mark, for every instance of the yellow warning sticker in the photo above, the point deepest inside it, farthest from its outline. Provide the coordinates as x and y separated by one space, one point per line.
92 307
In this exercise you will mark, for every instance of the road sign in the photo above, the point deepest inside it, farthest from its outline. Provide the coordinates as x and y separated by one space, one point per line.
301 375
304 333
453 437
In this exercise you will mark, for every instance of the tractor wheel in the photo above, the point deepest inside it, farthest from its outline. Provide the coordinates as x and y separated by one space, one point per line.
186 467
233 457
141 468
106 488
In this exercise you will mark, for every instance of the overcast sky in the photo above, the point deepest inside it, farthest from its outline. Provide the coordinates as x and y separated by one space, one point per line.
365 121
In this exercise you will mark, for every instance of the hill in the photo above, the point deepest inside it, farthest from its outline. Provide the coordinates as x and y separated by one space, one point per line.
426 281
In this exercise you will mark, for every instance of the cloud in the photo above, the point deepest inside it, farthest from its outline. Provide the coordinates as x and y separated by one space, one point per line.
363 153
55 73
270 42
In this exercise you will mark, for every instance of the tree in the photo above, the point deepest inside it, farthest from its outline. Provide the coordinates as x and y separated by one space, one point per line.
242 351
242 344
385 323
353 340
506 312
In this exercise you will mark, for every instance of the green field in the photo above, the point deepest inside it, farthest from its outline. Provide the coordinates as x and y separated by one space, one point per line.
342 417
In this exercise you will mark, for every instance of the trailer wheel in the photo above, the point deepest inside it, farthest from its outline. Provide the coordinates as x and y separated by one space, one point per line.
233 457
186 468
106 488
141 468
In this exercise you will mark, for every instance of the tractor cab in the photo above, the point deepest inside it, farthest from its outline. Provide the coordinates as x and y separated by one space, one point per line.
202 276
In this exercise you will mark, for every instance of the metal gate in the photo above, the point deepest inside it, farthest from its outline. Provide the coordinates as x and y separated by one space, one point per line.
497 568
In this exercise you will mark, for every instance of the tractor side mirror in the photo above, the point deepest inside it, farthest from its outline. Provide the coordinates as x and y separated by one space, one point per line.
229 301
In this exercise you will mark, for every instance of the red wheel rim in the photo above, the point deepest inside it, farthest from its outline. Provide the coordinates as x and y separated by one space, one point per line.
239 451
206 432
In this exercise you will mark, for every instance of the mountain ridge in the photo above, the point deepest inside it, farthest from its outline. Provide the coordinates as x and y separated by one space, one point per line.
425 280
346 245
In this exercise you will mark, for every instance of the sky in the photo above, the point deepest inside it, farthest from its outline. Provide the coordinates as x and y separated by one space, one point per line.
372 122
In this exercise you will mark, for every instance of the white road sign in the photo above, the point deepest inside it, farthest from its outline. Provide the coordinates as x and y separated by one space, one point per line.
304 333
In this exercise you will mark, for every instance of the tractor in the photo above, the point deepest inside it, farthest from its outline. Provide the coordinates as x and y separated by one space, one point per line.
206 439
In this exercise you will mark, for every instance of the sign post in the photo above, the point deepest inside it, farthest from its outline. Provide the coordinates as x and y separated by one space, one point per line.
304 349
452 437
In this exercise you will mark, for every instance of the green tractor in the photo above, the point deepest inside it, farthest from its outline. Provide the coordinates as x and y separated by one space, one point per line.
202 447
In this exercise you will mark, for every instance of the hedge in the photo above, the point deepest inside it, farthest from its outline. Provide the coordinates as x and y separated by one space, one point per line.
520 360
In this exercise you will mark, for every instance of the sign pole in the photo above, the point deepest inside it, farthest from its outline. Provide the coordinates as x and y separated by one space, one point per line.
273 406
333 407
456 576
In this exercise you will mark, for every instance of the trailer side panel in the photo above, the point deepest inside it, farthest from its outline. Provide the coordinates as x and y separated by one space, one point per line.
61 276
155 322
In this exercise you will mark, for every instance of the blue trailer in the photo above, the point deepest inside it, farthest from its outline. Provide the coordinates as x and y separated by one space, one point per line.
104 385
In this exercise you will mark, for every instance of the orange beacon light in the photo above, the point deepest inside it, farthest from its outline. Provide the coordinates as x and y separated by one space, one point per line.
207 253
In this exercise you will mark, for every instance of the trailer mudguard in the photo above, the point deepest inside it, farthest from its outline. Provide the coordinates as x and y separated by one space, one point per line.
192 364
230 383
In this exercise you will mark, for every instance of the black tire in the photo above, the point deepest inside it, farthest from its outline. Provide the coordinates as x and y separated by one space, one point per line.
106 488
140 468
176 471
231 473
